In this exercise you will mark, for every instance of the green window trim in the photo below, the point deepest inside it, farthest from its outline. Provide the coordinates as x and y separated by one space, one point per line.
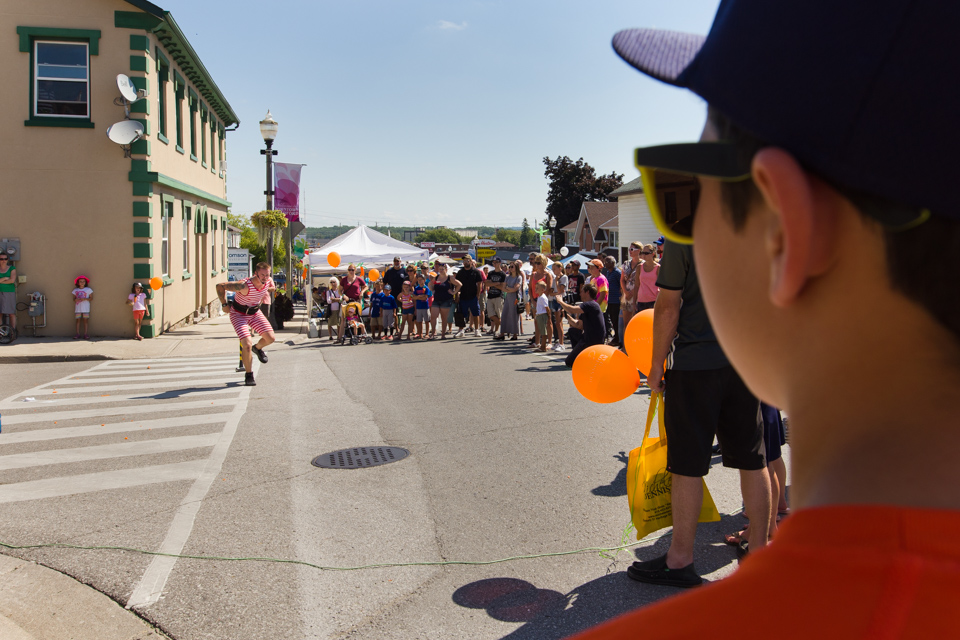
165 198
180 149
139 43
153 177
89 37
29 34
213 274
178 89
186 275
162 138
167 280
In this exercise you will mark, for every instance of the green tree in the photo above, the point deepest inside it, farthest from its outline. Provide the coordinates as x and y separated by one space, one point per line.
572 184
250 242
526 235
440 236
507 235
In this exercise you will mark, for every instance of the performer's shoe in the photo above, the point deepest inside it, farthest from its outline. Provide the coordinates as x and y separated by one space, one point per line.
260 354
248 380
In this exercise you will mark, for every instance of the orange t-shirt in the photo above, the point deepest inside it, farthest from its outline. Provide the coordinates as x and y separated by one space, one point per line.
848 571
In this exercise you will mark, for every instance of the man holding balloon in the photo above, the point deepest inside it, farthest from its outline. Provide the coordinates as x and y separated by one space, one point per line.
245 313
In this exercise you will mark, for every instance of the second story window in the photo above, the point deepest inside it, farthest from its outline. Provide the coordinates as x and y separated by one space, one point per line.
163 78
61 79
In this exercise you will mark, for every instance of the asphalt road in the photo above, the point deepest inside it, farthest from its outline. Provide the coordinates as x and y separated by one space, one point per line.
507 460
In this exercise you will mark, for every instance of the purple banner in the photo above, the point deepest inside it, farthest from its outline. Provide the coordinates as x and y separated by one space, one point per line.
287 189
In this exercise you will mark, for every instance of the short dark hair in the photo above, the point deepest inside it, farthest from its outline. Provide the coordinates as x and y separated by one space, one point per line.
591 289
933 247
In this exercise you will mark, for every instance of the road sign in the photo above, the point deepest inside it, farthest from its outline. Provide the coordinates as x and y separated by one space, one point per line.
486 253
485 242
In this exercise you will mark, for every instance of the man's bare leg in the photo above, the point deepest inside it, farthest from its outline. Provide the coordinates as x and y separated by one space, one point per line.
686 496
755 487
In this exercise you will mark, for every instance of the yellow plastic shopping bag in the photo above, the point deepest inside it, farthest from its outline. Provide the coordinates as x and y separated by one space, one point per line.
649 482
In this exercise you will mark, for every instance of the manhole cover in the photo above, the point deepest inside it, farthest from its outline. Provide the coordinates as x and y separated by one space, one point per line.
359 457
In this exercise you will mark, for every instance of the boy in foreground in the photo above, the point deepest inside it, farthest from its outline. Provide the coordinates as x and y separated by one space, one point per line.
828 155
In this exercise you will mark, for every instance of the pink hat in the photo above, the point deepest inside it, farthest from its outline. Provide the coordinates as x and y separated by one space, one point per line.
76 280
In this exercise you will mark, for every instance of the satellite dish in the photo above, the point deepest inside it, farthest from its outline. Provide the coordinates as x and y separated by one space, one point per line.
564 251
125 132
127 90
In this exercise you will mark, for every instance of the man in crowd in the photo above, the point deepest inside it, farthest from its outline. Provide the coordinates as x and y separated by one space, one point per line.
586 319
470 282
494 286
828 156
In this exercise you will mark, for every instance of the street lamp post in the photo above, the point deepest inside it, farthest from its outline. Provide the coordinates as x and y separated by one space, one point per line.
268 129
553 234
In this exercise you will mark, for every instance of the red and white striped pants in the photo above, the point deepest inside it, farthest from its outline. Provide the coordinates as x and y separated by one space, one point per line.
242 323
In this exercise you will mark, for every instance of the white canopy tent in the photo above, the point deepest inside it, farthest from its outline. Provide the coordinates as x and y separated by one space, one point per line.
362 244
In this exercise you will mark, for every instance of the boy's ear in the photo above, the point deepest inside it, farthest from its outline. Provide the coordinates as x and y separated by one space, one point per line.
798 236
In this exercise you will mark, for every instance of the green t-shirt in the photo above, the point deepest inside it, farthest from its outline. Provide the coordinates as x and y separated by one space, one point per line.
8 286
695 348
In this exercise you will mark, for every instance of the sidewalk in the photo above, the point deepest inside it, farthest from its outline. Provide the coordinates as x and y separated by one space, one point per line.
38 603
210 337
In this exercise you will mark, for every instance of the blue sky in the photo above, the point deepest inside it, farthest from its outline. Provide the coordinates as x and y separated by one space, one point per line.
432 112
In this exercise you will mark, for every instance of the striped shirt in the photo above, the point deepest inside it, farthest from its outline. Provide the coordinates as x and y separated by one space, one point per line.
252 297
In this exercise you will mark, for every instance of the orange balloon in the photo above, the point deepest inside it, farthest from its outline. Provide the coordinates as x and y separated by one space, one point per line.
638 340
333 259
604 374
156 283
374 275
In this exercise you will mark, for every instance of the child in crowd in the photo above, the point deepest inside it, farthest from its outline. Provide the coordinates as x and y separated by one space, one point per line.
354 323
388 305
421 299
376 307
407 311
82 293
542 315
138 300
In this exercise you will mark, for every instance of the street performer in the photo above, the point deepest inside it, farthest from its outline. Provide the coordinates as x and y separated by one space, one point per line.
245 313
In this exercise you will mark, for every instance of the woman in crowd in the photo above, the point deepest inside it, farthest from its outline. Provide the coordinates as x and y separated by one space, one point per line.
444 287
646 278
539 264
332 299
352 289
628 285
560 289
510 320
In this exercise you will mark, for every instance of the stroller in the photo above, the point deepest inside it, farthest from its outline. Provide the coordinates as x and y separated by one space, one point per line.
354 327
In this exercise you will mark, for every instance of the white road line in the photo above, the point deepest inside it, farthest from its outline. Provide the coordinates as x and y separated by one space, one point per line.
69 400
106 451
101 481
182 377
151 585
136 373
41 435
235 377
114 411
173 361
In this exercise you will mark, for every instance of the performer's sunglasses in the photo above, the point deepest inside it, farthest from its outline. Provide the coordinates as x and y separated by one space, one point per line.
671 174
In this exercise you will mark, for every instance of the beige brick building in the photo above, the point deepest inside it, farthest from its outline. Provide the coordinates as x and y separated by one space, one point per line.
71 196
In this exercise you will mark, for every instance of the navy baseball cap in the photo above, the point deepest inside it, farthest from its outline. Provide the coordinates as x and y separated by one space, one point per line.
863 94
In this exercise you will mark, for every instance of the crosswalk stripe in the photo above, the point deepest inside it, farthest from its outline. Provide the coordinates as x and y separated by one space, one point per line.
235 377
67 400
136 373
41 435
114 411
103 452
147 378
170 362
101 481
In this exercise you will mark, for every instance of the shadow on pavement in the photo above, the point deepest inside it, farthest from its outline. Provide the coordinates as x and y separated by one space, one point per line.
176 393
618 486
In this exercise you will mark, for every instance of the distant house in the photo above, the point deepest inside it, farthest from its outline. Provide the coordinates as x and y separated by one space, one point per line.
634 216
596 229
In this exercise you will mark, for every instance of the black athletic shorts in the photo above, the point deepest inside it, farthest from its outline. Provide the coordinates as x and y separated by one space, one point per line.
702 404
